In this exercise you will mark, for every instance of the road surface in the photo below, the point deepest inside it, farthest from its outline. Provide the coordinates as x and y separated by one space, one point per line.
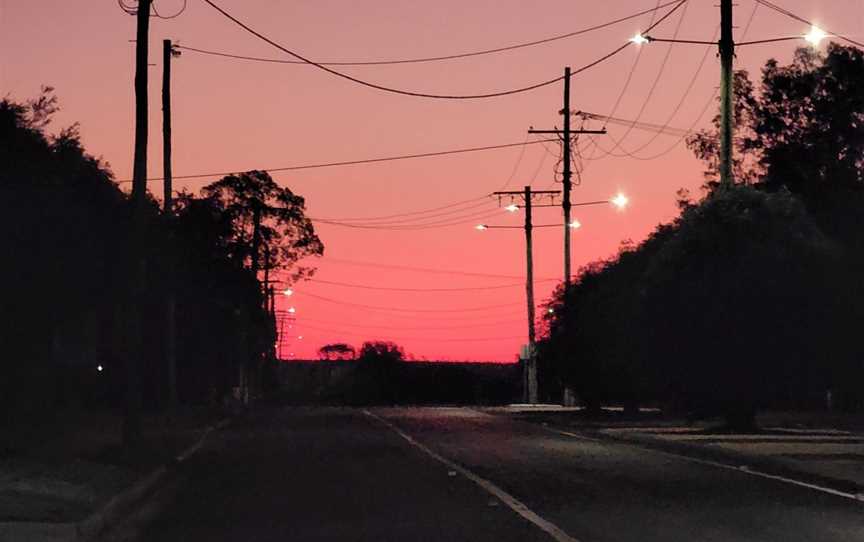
442 474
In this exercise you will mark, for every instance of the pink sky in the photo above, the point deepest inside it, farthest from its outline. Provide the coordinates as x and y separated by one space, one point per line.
234 116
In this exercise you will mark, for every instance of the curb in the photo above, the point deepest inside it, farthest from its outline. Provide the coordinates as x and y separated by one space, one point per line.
114 510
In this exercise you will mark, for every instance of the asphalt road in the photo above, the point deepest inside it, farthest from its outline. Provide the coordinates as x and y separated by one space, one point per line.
302 474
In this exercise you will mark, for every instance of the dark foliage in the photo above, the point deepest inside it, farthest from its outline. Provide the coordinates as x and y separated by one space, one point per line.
748 298
67 283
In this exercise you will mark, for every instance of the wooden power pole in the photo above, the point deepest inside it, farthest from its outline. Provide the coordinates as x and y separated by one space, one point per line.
530 377
168 52
566 140
132 414
531 362
727 54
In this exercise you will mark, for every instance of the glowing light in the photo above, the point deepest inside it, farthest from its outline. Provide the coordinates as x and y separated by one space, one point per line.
300 337
99 368
815 36
551 310
292 310
512 208
288 292
639 39
575 224
620 200
480 227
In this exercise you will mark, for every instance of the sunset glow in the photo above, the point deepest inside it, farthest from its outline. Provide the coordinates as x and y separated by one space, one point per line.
400 228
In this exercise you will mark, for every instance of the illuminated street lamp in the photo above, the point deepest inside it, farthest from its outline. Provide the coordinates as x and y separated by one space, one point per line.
620 201
815 36
512 208
575 225
287 292
481 227
292 310
639 39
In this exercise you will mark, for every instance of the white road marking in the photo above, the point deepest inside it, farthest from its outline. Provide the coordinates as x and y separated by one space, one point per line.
515 504
744 469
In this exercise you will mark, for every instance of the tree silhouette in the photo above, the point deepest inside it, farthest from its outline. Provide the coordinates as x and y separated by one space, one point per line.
724 310
337 351
264 214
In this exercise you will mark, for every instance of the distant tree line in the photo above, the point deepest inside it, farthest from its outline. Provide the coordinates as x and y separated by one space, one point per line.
66 281
753 296
380 372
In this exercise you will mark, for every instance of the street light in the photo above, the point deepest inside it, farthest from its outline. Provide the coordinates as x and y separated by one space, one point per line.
292 310
575 224
481 227
288 292
512 208
620 201
639 39
815 36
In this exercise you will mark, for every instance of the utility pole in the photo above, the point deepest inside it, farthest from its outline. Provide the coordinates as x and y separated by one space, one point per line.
727 54
256 238
566 140
137 261
531 362
530 377
168 52
568 176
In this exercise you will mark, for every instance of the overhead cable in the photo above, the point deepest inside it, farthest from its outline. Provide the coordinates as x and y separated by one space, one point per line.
434 58
417 94
416 339
400 309
420 269
433 290
786 12
411 217
351 162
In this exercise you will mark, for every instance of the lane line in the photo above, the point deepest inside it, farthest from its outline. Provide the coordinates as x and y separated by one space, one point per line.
743 469
515 504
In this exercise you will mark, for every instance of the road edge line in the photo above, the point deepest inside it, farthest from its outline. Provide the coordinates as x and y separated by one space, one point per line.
512 502
743 469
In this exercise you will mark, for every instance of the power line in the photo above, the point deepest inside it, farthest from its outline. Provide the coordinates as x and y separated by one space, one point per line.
409 217
400 309
410 213
618 142
453 221
167 17
402 338
491 323
422 269
786 12
630 74
675 110
352 162
696 121
430 290
132 9
518 163
436 58
430 317
425 94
